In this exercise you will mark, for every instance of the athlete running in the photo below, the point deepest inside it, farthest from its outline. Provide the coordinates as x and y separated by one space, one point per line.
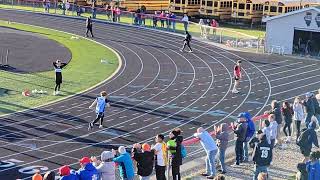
186 41
101 103
89 26
237 76
58 65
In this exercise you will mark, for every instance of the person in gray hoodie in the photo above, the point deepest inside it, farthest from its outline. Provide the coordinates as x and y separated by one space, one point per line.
222 136
105 167
309 106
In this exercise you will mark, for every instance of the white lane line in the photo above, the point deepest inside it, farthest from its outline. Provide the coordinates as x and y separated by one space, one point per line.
281 72
282 66
281 92
294 75
295 81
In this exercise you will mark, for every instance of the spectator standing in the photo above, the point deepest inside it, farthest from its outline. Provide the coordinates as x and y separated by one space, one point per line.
207 26
108 11
237 76
161 157
249 134
313 166
168 21
162 19
222 136
185 21
145 160
276 110
298 114
309 106
66 173
89 26
214 25
94 9
262 156
155 19
287 112
316 109
105 167
210 146
240 130
255 140
174 148
273 129
87 170
58 66
307 138
64 7
267 130
143 16
118 14
125 163
173 21
202 28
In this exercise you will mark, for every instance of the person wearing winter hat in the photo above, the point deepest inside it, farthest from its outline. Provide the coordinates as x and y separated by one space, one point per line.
87 170
306 139
66 173
174 148
125 163
105 167
50 175
145 160
37 176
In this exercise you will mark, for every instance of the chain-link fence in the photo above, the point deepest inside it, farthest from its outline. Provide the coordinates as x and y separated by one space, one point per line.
158 20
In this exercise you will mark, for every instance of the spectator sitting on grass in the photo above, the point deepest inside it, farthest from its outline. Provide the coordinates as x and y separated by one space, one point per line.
66 174
87 170
105 167
209 145
145 160
313 166
222 136
125 163
306 139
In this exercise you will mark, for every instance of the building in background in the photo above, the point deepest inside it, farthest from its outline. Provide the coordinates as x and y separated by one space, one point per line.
151 5
189 7
218 9
296 32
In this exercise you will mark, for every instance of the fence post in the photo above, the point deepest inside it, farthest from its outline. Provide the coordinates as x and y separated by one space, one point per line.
55 7
258 44
7 58
33 8
220 36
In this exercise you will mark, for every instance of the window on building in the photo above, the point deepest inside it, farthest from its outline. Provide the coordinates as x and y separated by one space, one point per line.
266 8
248 6
203 2
234 5
209 11
280 9
222 4
189 1
215 4
177 8
177 1
241 6
183 1
209 3
273 8
171 1
285 9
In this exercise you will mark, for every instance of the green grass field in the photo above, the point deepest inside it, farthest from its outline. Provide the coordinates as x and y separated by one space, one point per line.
227 31
83 71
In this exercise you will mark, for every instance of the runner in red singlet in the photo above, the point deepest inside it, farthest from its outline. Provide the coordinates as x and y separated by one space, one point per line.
237 76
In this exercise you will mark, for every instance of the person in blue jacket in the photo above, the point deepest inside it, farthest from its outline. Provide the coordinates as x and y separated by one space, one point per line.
87 170
313 166
125 163
66 173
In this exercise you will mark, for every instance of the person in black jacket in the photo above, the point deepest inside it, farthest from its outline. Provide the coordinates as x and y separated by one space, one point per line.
145 160
58 65
306 139
89 26
176 157
186 41
316 109
262 156
240 130
310 108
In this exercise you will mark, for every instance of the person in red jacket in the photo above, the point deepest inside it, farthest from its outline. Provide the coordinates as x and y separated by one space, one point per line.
237 76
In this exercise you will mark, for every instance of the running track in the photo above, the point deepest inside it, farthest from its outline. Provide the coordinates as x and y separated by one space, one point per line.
157 89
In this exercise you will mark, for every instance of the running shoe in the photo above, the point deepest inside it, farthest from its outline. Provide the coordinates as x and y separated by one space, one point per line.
54 93
100 127
181 50
190 51
235 91
58 92
90 126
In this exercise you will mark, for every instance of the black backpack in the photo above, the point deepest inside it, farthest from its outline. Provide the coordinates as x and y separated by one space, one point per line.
303 138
